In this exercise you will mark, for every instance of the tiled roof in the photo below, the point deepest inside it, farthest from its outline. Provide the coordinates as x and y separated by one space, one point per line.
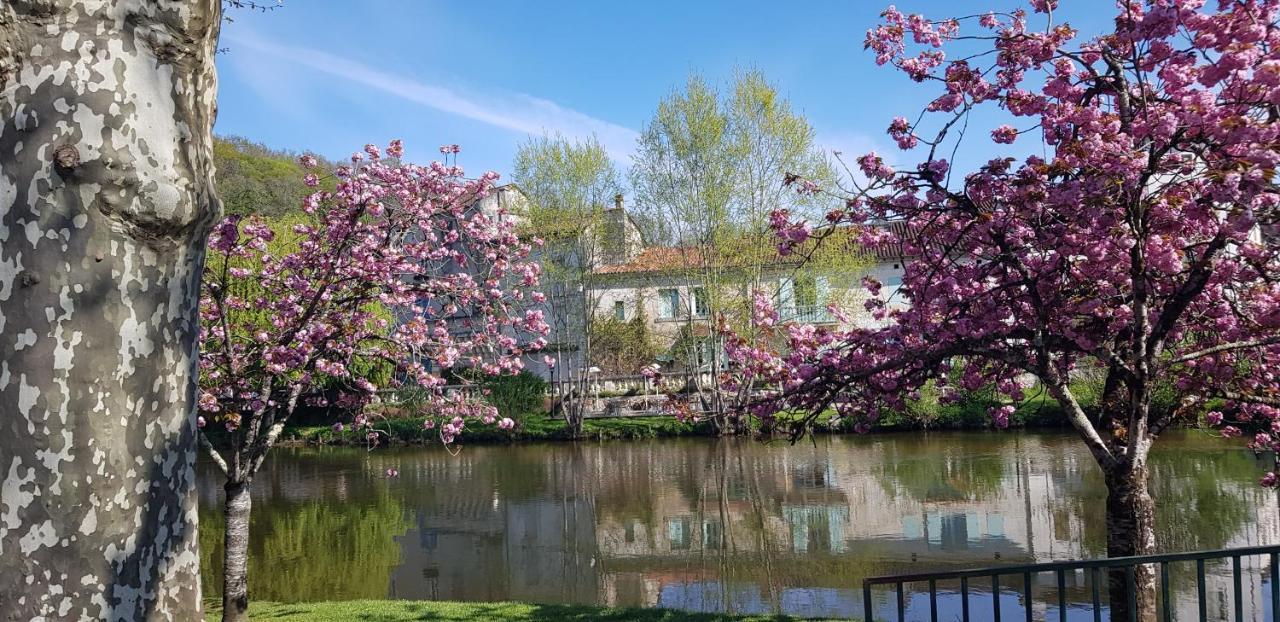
893 249
671 258
657 259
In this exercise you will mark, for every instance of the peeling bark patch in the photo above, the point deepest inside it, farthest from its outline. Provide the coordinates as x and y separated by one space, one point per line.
66 158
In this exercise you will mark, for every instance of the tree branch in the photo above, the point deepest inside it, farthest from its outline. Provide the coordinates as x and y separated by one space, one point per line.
1227 347
213 453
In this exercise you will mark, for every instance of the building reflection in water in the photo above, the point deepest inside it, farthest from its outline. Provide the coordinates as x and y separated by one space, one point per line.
737 526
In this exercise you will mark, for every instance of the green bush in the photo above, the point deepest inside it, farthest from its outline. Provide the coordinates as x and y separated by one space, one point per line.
515 396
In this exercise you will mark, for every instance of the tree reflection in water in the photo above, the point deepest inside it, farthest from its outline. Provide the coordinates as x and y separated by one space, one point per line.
717 525
315 549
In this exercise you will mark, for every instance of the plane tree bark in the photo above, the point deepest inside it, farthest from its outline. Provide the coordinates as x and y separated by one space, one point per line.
106 197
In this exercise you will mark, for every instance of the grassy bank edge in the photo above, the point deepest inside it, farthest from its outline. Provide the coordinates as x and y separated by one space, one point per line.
442 611
1037 412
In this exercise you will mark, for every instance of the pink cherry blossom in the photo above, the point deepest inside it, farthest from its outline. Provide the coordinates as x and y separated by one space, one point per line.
390 239
1005 134
1139 244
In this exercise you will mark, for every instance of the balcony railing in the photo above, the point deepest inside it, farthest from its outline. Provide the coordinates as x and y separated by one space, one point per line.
807 314
1096 568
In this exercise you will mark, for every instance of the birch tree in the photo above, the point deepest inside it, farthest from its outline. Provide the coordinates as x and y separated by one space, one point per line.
709 169
569 184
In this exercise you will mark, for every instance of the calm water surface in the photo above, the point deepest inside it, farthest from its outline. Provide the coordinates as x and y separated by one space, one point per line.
726 525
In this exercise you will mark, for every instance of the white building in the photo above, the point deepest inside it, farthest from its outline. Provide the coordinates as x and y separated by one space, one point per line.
613 271
669 286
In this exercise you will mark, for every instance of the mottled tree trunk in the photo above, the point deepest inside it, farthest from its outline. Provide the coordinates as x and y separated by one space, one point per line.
235 574
106 195
1131 530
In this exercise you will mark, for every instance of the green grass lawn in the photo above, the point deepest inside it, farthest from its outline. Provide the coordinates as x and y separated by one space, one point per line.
406 610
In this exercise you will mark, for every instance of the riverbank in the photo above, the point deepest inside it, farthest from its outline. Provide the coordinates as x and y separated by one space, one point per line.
1039 412
409 610
676 522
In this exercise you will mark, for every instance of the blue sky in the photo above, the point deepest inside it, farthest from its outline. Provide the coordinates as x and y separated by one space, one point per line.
331 76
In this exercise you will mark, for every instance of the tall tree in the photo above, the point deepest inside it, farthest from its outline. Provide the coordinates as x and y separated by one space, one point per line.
106 196
710 168
570 183
1137 245
281 326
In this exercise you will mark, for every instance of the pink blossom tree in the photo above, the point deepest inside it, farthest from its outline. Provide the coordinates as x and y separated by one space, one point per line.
389 235
1138 244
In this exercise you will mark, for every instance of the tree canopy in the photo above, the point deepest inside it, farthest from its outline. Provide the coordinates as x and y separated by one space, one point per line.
255 179
1135 244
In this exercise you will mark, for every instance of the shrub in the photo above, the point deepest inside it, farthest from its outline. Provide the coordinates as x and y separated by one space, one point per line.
515 396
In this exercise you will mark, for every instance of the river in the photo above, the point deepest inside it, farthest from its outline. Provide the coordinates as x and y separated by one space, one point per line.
725 525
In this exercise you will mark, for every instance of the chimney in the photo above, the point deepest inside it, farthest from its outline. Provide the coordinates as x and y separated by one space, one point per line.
617 245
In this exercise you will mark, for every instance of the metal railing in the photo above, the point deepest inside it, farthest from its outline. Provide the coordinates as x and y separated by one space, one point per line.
1095 567
807 314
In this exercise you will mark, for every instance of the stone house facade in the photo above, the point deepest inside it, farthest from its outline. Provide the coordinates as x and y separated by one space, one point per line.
669 288
624 276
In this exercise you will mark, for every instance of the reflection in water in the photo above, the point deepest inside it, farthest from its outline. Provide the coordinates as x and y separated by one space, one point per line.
727 525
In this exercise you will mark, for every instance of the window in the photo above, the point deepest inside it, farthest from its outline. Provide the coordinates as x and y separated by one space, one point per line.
619 310
786 297
701 306
806 289
668 303
700 353
712 535
679 532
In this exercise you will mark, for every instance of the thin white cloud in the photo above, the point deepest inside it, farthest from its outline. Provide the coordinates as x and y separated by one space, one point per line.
518 112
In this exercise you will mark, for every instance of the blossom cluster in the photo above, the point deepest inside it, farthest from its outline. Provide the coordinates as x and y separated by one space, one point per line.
1140 243
385 280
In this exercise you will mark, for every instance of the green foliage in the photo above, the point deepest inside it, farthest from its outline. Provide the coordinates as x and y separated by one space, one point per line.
709 164
929 412
515 396
622 346
566 181
296 546
255 179
531 428
569 183
709 168
1038 410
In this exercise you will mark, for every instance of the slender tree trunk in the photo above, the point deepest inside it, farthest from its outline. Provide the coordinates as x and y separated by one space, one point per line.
106 197
235 574
1131 531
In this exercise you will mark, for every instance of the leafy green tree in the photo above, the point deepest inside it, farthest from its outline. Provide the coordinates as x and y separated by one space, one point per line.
622 346
569 184
710 168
